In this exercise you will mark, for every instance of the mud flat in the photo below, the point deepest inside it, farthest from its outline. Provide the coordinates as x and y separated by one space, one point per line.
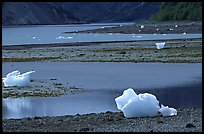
38 88
175 51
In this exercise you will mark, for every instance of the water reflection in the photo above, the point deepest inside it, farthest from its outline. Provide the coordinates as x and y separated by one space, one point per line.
15 108
97 101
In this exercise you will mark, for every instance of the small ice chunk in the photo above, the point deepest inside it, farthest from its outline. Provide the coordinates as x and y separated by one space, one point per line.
176 25
184 33
16 79
166 111
142 26
34 37
60 37
160 45
70 37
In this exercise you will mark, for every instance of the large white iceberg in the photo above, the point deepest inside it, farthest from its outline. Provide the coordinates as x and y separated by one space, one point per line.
142 105
16 79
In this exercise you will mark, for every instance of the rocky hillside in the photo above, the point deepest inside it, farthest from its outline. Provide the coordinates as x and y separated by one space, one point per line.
15 13
112 11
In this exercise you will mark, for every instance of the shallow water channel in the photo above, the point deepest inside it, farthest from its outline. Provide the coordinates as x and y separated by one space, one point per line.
49 34
177 85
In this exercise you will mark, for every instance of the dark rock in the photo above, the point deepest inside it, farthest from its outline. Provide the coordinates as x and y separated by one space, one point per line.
189 125
160 121
109 112
84 129
53 79
37 117
60 120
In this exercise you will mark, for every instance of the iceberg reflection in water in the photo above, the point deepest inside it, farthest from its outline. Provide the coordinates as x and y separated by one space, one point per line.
175 85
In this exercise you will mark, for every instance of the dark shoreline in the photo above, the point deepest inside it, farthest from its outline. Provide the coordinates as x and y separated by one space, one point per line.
186 120
151 28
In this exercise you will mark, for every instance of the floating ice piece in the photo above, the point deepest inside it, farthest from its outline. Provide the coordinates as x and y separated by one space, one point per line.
133 105
176 25
16 79
157 29
142 26
34 37
184 33
60 37
166 111
142 105
160 45
69 37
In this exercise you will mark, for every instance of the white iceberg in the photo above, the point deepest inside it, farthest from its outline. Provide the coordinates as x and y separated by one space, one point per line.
142 105
16 79
160 45
166 111
142 26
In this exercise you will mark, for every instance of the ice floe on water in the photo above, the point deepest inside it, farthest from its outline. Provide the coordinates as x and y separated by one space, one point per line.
61 37
16 79
142 105
160 45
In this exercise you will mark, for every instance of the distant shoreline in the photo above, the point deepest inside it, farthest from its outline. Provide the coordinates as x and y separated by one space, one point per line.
25 46
151 28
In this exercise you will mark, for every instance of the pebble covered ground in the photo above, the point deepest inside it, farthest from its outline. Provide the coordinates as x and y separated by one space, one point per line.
187 120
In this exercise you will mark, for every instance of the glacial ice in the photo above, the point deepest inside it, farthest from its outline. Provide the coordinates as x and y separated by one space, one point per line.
166 111
16 79
160 45
142 105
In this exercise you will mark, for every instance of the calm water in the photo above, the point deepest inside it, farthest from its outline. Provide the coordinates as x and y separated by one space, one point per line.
176 85
18 35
